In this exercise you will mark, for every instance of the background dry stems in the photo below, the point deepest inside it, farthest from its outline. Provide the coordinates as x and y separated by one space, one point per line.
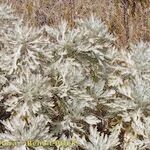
129 20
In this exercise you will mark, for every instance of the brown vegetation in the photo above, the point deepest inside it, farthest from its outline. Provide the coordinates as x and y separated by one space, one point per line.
129 20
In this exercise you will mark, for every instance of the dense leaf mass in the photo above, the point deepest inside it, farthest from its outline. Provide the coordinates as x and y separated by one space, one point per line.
62 83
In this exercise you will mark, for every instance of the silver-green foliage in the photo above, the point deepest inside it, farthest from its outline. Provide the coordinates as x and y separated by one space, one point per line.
56 83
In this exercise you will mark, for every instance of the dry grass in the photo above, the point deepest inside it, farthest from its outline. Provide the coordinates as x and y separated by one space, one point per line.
129 20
